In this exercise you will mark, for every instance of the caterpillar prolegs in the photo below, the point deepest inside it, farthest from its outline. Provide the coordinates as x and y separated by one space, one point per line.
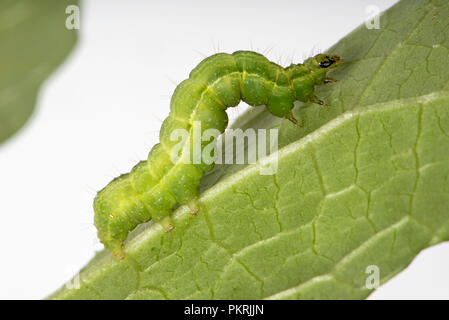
155 186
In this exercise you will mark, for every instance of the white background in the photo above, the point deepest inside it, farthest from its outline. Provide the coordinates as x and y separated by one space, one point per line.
101 112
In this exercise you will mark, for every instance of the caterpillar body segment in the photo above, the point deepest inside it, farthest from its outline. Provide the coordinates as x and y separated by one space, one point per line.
155 186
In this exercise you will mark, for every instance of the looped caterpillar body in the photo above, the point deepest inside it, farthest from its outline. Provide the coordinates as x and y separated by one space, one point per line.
155 186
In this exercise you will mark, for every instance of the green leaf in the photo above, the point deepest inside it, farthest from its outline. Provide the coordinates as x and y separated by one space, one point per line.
365 182
34 40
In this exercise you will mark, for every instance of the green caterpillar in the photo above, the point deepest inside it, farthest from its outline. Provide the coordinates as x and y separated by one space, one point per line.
155 186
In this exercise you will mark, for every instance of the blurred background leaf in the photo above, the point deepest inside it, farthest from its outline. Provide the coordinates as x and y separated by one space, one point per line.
34 40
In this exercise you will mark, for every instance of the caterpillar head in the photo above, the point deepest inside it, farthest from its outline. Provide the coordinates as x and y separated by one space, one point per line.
327 61
322 62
